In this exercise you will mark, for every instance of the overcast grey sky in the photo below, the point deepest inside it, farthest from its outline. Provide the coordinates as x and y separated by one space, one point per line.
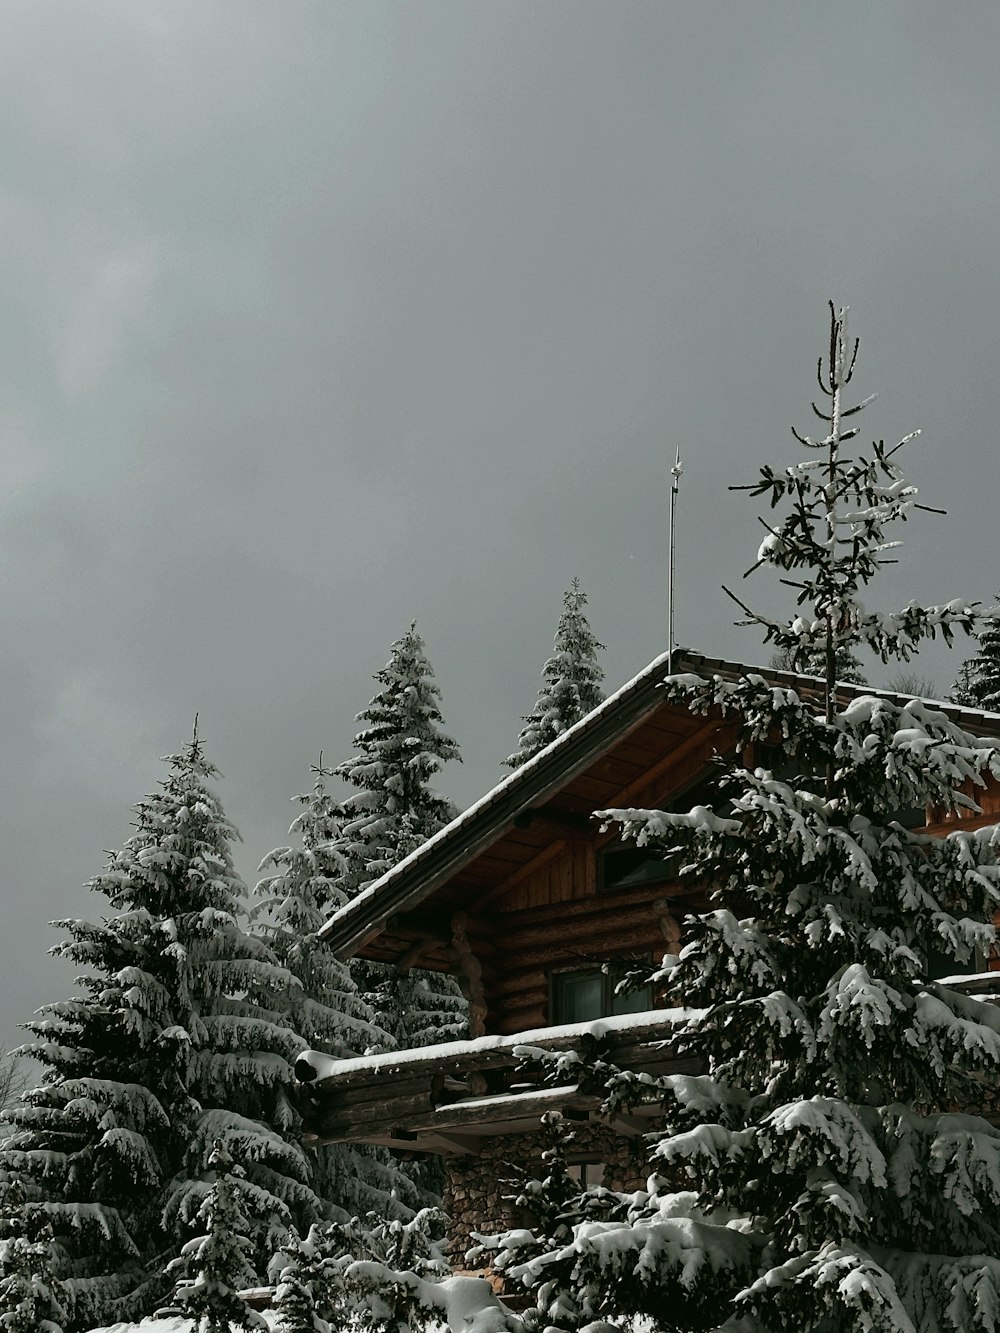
319 317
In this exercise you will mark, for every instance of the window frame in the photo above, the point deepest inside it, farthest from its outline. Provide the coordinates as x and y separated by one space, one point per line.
607 972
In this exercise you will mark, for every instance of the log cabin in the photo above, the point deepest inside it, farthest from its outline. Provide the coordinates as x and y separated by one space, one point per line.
538 914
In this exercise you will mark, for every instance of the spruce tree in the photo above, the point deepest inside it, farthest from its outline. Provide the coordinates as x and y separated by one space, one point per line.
303 889
214 1267
299 1290
393 811
31 1300
571 681
160 1054
978 683
831 1170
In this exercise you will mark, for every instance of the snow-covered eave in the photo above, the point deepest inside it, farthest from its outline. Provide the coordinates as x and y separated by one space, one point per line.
475 829
317 1068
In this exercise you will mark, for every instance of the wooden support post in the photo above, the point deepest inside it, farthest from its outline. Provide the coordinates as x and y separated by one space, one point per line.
470 974
669 925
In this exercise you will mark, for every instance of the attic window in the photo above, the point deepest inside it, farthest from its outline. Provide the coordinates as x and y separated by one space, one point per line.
624 866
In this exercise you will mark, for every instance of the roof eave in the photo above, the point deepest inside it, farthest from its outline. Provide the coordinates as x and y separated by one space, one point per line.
454 846
441 856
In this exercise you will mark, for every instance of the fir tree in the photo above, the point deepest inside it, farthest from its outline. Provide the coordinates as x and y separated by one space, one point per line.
299 1289
393 810
216 1266
840 1175
978 683
162 1053
572 679
31 1300
325 1009
961 693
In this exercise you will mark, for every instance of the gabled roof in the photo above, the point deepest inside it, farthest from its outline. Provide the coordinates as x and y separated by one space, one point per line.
460 842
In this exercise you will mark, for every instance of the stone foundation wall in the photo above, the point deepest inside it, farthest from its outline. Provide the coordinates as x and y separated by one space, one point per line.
478 1189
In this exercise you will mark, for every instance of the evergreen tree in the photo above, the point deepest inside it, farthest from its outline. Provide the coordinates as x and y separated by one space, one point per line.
161 1054
299 1290
812 662
325 1009
213 1268
572 679
961 693
978 683
840 1175
31 1300
394 810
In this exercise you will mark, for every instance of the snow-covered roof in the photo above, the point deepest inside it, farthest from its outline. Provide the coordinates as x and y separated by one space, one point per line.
458 843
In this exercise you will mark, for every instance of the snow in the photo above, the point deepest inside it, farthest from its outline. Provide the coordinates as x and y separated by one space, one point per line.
325 1066
466 1303
507 1101
180 1324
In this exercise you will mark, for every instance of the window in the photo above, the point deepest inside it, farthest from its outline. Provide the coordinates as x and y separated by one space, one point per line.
586 1173
626 866
941 964
622 865
579 997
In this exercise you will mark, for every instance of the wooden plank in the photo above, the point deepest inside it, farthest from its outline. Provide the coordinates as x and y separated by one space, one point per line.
506 923
563 887
692 748
520 1020
587 949
519 876
522 1107
513 982
608 926
364 1120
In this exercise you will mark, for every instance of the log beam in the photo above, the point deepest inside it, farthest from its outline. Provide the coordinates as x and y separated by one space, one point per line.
470 974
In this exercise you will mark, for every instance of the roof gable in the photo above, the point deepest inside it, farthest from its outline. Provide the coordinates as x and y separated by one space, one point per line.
574 756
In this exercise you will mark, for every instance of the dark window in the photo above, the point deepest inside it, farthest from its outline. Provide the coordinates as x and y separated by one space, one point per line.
626 866
586 1173
623 865
941 964
579 997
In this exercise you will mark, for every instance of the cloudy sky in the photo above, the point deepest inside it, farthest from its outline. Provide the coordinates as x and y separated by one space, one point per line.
322 316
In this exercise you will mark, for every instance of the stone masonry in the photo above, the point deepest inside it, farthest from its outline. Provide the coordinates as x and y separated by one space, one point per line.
479 1189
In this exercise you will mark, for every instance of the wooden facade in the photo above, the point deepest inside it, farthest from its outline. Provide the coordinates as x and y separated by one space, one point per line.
533 904
516 894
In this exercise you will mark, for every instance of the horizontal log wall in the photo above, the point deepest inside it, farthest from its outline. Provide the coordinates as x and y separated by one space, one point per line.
588 933
549 916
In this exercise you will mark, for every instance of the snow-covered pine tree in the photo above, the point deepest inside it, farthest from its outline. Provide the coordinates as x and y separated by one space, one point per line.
394 810
960 693
571 681
841 1174
302 890
31 1300
978 683
299 1289
813 663
162 1053
212 1269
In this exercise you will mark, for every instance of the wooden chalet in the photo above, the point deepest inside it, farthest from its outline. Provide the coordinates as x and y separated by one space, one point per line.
538 914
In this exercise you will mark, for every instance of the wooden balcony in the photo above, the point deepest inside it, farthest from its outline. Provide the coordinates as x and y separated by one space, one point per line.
445 1099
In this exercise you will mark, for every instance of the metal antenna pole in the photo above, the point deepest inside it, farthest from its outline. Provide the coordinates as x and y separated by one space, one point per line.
675 476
